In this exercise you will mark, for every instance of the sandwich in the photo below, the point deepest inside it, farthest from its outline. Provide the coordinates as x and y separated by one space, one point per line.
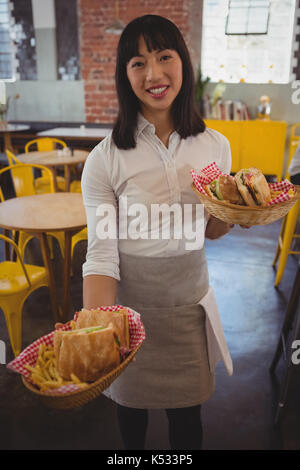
224 188
253 187
119 320
89 353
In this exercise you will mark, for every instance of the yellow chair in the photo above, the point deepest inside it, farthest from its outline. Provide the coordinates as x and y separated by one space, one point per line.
289 223
287 234
78 237
23 181
17 282
23 177
293 144
6 252
27 191
75 186
45 144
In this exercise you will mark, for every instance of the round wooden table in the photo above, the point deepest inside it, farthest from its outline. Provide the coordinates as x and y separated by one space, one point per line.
55 158
44 213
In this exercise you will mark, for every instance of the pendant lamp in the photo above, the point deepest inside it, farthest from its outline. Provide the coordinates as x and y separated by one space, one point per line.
117 26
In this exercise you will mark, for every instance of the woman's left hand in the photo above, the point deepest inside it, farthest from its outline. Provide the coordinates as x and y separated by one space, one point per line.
216 228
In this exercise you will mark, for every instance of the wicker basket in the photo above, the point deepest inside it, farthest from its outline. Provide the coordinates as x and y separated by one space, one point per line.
80 397
245 215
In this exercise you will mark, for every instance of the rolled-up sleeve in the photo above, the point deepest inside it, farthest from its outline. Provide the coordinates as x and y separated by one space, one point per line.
102 254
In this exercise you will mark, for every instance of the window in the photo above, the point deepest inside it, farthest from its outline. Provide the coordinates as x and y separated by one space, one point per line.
6 57
248 17
247 54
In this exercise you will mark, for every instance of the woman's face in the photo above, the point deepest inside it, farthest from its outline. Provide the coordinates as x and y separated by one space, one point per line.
155 77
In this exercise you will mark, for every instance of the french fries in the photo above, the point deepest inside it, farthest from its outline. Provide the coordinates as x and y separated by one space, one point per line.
291 193
45 374
275 193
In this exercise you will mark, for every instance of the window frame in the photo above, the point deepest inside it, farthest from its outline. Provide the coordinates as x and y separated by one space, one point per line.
231 7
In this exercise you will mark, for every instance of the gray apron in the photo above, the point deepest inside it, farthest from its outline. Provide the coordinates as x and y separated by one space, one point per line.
172 368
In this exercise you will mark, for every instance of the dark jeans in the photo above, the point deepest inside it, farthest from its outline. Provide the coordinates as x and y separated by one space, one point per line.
185 427
295 179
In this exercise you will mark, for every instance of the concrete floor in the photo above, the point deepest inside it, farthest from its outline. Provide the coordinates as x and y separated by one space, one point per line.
240 415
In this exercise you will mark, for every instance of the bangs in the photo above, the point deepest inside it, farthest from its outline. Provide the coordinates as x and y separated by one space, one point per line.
158 35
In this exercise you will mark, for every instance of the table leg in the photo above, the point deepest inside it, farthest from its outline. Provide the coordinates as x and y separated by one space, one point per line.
48 265
67 177
7 142
67 275
54 178
7 246
16 240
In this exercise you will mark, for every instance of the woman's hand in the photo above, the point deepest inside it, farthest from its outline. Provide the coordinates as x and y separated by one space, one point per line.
216 228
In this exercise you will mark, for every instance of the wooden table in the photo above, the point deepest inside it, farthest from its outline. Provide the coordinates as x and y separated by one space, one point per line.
55 158
44 213
6 131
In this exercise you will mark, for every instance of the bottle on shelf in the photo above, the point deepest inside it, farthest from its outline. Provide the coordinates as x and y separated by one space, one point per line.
264 108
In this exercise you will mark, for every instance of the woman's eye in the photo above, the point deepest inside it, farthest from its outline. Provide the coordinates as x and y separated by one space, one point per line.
137 64
165 57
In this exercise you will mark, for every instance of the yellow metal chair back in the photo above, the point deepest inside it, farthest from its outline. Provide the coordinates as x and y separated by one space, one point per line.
23 177
12 159
17 282
46 144
43 144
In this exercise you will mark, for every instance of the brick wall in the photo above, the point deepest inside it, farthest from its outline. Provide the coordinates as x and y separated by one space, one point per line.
98 48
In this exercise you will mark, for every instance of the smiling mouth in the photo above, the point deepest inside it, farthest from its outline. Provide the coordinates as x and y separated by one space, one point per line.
159 91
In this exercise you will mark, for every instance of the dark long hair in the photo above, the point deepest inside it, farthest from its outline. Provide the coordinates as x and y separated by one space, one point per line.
159 33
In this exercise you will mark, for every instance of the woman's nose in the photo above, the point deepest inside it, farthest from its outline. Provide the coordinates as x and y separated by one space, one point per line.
153 72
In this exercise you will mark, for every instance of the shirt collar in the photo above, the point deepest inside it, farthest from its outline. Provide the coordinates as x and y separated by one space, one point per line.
142 124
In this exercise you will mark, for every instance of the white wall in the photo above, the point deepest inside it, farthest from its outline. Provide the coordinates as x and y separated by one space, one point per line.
53 101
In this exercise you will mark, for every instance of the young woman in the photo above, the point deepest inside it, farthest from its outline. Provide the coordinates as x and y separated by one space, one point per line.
157 138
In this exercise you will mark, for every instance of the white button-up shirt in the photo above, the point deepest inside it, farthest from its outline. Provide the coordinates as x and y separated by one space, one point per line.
149 174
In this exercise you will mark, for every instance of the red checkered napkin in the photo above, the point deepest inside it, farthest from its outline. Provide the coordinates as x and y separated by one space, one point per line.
30 354
205 176
211 172
283 186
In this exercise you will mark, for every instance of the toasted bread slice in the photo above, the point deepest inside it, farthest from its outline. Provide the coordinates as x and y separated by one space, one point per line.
87 354
95 317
